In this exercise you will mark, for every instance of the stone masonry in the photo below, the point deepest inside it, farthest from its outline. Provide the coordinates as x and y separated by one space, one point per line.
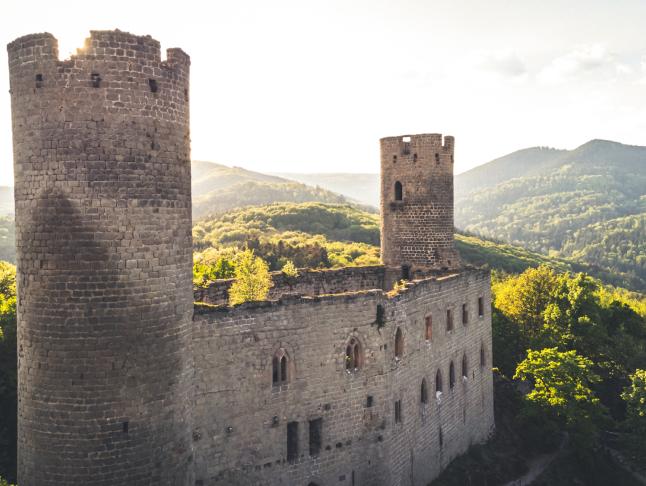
334 380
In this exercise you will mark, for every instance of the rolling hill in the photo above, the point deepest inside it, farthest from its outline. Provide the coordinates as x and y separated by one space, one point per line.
587 204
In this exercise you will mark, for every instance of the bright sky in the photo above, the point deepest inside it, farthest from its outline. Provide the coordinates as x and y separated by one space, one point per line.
310 86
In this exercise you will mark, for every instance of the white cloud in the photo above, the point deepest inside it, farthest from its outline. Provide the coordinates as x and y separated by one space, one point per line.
581 61
506 64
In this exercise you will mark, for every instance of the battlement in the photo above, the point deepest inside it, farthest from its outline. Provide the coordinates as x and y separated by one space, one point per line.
420 142
113 45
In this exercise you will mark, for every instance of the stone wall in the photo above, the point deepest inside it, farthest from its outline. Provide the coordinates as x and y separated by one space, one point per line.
417 221
241 416
104 258
308 282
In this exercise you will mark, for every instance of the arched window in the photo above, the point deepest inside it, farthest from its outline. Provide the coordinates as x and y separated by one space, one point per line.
424 392
483 360
280 368
399 343
465 368
438 381
353 355
399 191
429 328
449 320
451 375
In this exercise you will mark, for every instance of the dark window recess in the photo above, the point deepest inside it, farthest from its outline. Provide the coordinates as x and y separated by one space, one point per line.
39 80
465 367
96 80
441 438
279 370
399 343
394 159
316 436
153 85
424 392
283 369
480 306
414 157
185 94
370 401
292 441
125 427
449 320
465 314
406 147
437 158
429 328
451 375
398 411
438 381
399 191
482 357
353 356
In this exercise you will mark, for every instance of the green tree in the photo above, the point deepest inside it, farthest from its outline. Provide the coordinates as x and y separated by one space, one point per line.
635 397
562 386
8 376
252 279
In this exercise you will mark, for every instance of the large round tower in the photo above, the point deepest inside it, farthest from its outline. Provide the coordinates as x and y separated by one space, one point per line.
417 203
103 239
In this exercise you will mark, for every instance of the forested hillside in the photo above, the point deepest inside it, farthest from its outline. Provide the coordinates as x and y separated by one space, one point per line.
588 204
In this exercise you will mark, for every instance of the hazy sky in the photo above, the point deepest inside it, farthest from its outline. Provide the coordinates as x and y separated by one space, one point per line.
311 86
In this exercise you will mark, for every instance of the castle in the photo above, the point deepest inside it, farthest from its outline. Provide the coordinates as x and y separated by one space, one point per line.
129 376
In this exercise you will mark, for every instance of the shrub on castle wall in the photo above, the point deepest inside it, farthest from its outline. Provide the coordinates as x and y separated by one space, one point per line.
253 280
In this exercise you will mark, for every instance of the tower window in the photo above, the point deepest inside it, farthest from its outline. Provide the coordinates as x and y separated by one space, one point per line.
423 392
429 328
399 191
483 360
96 80
437 158
465 314
280 368
316 436
153 85
414 158
394 159
438 381
369 401
399 343
39 80
465 369
292 441
353 355
451 375
449 320
406 147
480 306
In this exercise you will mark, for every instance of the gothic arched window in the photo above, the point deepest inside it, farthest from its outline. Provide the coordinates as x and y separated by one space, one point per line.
399 343
451 375
399 191
353 355
280 368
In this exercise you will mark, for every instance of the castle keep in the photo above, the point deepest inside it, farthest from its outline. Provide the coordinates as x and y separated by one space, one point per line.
128 375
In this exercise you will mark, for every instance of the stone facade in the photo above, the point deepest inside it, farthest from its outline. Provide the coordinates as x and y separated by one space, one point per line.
335 379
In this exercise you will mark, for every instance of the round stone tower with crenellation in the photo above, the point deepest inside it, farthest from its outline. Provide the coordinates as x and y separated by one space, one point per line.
417 204
103 236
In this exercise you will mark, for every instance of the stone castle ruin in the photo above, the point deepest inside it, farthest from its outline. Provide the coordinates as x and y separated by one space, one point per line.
129 376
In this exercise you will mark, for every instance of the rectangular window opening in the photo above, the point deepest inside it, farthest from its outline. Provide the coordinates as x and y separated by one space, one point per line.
292 441
398 411
369 401
465 314
316 436
480 306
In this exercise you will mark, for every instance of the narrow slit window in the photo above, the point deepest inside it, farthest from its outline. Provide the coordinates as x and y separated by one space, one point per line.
280 368
483 360
465 314
451 375
437 158
423 392
449 320
480 306
465 367
399 343
96 80
39 80
153 85
398 411
414 158
399 191
394 159
438 382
